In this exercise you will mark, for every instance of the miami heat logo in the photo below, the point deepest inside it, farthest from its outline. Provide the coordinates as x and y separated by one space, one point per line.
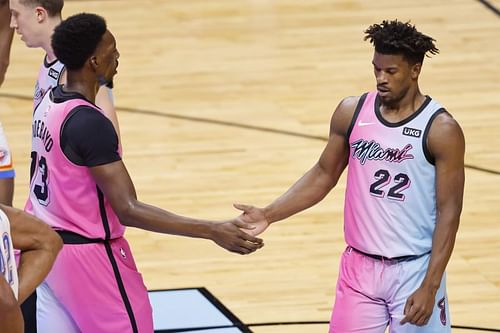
370 150
442 314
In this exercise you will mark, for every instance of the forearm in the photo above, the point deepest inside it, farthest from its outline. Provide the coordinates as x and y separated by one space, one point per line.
11 319
36 262
6 35
147 217
6 191
443 242
306 192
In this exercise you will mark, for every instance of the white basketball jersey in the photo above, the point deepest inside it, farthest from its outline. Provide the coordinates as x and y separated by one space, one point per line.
48 77
8 267
390 206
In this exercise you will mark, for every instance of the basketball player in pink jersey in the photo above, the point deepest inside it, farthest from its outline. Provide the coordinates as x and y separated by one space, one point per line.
7 172
81 187
403 197
34 21
40 246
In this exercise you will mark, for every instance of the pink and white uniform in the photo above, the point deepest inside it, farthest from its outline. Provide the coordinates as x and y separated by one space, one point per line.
389 221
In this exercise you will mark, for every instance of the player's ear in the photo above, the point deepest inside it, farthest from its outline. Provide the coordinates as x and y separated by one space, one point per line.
93 62
41 14
415 70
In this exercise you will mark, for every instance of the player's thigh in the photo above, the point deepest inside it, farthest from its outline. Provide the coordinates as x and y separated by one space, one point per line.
355 310
413 275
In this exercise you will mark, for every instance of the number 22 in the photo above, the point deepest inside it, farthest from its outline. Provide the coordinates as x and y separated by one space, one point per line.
383 178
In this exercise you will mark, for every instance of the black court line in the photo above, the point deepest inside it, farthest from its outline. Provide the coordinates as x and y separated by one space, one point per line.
232 124
301 323
236 322
490 6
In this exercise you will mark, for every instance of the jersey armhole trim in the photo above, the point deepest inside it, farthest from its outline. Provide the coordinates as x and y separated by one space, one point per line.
427 153
360 104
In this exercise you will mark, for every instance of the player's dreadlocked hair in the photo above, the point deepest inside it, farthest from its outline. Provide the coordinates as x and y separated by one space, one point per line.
76 38
396 37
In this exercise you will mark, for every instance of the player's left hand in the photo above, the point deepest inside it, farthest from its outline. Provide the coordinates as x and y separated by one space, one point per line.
419 306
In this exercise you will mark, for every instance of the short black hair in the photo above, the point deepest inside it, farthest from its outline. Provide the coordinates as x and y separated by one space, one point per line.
396 37
53 7
76 38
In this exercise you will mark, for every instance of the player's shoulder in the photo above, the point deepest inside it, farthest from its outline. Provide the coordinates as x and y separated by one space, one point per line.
445 132
444 124
344 112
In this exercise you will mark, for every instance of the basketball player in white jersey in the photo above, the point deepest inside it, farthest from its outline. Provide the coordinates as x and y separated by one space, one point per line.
34 21
7 172
39 245
404 193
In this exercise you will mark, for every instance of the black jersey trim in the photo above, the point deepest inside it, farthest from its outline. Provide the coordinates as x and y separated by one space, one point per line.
404 121
104 215
63 69
48 64
121 287
427 153
356 113
60 96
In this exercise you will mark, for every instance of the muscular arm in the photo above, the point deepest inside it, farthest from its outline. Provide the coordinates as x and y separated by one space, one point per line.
6 34
116 185
324 175
11 319
447 145
39 246
6 191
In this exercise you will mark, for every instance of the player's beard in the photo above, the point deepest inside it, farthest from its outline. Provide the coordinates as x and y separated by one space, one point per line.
103 82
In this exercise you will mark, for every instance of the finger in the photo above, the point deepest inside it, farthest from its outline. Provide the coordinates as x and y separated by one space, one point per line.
251 246
249 238
406 311
239 223
242 207
424 318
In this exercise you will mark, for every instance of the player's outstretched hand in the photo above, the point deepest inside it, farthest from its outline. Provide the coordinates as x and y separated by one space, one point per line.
253 216
230 236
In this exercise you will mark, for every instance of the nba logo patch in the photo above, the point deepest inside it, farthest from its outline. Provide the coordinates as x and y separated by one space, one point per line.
123 254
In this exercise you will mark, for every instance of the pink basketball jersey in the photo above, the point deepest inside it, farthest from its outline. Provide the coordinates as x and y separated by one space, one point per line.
64 194
390 205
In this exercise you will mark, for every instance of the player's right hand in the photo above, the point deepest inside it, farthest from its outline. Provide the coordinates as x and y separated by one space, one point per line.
230 236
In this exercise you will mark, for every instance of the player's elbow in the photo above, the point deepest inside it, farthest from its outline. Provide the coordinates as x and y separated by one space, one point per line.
127 213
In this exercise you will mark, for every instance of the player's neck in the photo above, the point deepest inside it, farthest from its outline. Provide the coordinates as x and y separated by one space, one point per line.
407 105
80 82
47 44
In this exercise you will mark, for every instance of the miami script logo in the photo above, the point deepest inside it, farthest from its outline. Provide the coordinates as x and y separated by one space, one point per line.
365 150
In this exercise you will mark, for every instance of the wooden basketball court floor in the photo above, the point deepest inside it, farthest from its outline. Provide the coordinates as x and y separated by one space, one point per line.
228 101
